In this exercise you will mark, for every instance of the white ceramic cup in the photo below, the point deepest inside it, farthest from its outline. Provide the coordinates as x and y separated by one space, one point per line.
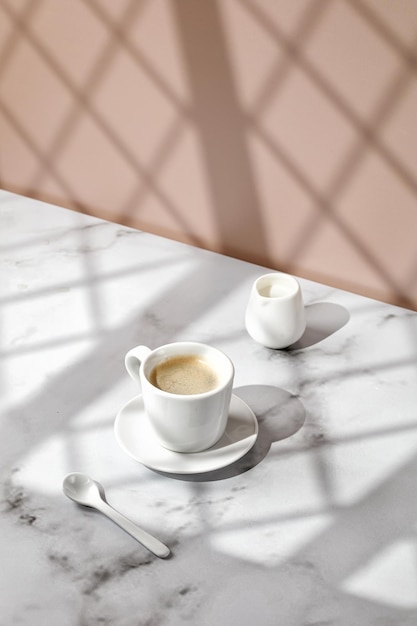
184 423
275 314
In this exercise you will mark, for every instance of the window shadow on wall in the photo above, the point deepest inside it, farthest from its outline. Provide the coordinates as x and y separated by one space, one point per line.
223 125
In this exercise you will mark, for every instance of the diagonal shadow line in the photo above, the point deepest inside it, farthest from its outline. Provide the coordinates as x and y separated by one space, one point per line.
374 21
368 131
346 171
139 58
409 56
13 38
325 206
368 137
82 95
72 195
163 153
127 212
290 47
82 102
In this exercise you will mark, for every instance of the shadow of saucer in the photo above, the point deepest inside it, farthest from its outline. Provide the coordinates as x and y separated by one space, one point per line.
323 319
280 415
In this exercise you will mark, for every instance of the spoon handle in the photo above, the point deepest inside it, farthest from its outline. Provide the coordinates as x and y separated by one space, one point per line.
148 541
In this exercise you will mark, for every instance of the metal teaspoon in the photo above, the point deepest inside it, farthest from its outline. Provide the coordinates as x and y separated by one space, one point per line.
84 490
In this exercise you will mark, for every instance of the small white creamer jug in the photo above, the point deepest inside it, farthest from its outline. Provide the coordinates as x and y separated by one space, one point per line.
275 315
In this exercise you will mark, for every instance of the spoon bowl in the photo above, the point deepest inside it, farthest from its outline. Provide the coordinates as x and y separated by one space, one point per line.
88 492
83 489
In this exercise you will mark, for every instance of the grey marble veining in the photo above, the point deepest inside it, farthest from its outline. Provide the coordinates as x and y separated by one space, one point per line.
315 526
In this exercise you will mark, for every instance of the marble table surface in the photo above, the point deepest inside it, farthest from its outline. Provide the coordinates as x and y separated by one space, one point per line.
316 525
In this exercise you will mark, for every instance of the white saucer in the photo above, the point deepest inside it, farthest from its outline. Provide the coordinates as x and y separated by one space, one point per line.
135 435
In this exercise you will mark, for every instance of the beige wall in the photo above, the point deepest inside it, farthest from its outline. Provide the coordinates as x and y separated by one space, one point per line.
279 131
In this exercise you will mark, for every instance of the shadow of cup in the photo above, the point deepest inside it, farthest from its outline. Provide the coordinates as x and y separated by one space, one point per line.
280 415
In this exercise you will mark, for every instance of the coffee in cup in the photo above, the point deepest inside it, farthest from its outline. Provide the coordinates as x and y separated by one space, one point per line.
184 374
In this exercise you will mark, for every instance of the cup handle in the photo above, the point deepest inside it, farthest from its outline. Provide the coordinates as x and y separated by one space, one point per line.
133 360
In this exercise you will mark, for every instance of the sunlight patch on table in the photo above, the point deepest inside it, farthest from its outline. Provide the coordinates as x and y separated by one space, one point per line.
272 543
389 578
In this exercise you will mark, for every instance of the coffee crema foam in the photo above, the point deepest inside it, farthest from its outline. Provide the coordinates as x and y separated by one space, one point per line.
184 375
